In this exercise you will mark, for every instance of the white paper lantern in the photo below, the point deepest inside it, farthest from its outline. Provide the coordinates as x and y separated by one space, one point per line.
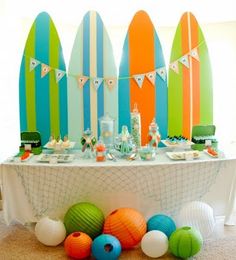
50 232
198 215
154 243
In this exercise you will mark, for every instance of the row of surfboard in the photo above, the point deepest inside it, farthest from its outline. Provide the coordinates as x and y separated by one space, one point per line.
62 108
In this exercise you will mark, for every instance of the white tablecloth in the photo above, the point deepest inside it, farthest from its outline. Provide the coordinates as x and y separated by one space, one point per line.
32 190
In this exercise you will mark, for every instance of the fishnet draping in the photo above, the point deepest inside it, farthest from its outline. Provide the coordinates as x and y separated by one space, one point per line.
54 189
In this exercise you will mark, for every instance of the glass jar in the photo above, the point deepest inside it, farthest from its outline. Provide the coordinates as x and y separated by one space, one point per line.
107 130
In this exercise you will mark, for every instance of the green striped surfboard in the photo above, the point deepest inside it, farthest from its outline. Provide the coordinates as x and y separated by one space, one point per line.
43 100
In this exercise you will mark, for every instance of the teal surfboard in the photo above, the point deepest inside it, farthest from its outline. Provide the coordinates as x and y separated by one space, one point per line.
92 84
142 55
43 96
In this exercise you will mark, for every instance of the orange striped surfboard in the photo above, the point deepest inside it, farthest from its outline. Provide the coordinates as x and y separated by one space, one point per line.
190 95
142 54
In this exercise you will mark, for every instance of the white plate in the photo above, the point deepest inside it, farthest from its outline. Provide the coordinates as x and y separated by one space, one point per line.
60 158
214 156
175 145
183 155
47 146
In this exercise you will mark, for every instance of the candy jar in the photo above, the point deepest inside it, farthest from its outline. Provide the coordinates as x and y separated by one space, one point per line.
100 151
124 142
136 126
154 136
147 153
107 130
88 141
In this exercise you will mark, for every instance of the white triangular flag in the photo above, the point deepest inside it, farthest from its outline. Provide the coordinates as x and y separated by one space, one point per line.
139 79
184 60
162 73
97 82
111 82
59 74
194 54
82 80
151 77
33 63
174 66
44 70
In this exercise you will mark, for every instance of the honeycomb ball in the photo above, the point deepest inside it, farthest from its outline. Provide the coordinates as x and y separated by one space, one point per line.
198 215
162 223
126 224
154 244
185 242
78 245
84 217
106 247
50 232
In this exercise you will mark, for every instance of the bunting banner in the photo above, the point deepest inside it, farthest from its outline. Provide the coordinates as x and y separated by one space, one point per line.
33 63
82 80
139 79
184 60
175 67
162 73
194 54
111 82
151 76
59 74
97 82
44 70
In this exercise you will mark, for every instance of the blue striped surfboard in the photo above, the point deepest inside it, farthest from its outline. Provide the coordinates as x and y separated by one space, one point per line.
43 100
91 56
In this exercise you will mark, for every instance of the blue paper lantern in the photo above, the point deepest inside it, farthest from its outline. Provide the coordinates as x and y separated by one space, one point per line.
106 247
162 223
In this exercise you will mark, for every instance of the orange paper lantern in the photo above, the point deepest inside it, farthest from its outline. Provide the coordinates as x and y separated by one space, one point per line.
78 245
126 224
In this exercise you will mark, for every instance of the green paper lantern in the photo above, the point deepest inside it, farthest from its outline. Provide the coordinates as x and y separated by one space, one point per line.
84 217
185 242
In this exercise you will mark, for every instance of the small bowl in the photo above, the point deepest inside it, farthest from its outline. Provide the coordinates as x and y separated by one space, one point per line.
147 153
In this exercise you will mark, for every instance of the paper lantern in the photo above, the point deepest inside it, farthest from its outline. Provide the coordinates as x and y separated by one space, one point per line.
78 245
106 247
154 244
84 217
50 232
198 215
127 224
162 223
185 242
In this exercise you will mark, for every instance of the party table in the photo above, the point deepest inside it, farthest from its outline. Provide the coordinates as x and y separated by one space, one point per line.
33 189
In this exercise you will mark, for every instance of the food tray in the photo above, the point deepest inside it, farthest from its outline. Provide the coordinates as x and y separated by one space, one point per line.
183 155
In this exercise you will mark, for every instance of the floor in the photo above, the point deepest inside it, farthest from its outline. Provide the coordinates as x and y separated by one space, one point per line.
19 242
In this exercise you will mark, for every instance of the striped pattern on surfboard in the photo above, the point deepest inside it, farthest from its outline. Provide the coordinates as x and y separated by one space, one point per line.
43 101
190 95
142 53
91 56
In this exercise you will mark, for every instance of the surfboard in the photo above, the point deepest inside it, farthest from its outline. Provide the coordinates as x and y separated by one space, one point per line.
92 78
142 58
190 94
42 95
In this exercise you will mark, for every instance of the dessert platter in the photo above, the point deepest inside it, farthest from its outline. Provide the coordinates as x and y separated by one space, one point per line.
176 141
59 144
185 155
55 158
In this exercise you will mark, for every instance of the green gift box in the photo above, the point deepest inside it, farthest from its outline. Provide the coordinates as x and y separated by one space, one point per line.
202 133
32 140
